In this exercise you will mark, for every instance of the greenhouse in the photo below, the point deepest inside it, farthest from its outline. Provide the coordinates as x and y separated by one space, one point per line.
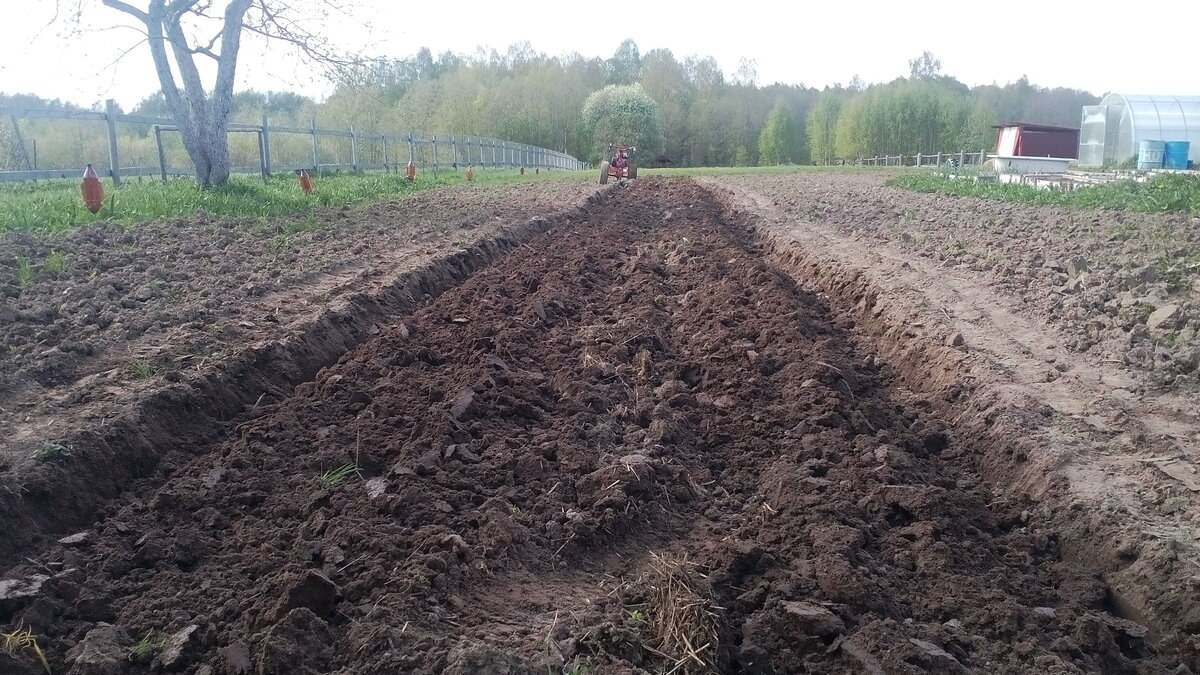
1111 132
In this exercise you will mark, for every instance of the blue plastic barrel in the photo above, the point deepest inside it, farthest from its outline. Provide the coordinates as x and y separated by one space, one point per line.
1175 154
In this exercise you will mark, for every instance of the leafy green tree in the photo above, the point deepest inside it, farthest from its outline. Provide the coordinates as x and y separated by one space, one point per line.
925 67
778 137
822 127
622 114
625 66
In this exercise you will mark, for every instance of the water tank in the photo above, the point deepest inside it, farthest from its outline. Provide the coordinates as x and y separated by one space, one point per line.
1150 155
1175 154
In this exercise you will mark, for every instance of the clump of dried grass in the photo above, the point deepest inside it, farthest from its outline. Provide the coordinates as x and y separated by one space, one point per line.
681 619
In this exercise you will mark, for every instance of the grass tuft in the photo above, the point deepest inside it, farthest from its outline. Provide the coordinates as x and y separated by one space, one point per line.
19 641
143 369
25 272
52 451
338 475
148 647
56 263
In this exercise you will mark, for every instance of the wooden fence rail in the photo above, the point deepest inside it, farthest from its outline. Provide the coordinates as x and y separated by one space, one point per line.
929 159
392 152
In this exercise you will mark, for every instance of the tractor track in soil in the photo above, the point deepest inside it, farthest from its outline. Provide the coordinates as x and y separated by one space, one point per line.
638 389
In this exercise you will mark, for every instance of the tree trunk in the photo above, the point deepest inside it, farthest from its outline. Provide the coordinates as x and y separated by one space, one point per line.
208 148
202 118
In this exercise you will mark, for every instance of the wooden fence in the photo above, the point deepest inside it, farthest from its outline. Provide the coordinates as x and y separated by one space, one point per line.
918 159
371 151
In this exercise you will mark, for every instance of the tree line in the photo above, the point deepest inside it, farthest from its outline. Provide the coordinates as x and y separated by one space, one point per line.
686 111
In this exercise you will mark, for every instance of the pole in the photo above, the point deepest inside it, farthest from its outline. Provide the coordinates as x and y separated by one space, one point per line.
353 150
162 158
315 157
266 148
110 118
262 154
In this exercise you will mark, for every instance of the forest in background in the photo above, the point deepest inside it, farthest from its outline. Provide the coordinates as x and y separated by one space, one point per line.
706 117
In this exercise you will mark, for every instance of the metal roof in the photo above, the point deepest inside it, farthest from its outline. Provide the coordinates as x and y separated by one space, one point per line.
1033 127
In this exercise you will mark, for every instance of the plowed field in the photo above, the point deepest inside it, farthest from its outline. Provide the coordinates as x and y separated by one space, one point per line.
643 439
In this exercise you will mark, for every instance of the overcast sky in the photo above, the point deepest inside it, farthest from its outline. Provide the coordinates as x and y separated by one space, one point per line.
1146 47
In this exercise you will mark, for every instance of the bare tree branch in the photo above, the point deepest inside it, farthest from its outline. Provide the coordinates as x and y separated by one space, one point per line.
122 55
128 9
207 49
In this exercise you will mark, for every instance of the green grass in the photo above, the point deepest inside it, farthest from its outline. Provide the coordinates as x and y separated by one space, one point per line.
52 451
55 206
25 272
143 369
338 475
1166 192
148 647
56 263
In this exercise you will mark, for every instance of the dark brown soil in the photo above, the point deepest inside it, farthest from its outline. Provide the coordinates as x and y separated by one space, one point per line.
634 406
1097 276
136 304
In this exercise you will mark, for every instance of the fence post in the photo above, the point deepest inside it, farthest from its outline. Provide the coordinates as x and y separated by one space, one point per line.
982 157
961 156
435 158
353 150
918 159
162 158
266 148
262 155
110 118
315 158
495 164
939 159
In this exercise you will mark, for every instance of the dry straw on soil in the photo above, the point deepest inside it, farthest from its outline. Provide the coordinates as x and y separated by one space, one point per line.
682 620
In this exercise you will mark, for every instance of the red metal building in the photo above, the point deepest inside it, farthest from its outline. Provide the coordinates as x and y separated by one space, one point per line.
1020 139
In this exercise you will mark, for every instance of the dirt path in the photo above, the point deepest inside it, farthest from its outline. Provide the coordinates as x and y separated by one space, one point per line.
631 445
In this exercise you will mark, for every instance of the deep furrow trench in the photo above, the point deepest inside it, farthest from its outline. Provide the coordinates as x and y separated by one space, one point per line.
631 445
